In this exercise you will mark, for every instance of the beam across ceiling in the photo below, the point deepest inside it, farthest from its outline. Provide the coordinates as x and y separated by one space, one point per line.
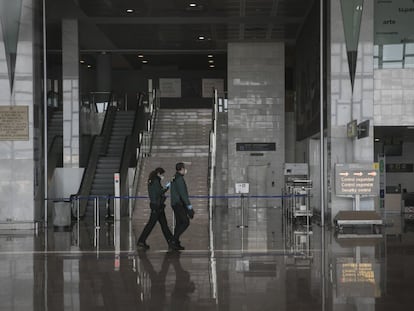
172 20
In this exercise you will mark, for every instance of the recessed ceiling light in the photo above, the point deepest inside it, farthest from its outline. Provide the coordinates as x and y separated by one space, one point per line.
201 37
140 56
212 66
89 66
130 11
82 61
193 5
377 139
211 61
210 55
144 61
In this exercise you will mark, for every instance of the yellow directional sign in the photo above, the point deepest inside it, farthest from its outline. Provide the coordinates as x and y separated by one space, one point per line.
356 178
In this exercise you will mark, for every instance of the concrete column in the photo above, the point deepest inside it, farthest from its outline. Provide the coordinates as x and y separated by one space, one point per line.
21 142
256 114
345 104
104 72
70 72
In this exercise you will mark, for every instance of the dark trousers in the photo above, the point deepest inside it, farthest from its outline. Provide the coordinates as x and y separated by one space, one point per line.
181 221
157 214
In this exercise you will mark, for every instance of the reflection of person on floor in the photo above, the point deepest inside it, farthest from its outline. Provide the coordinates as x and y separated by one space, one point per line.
180 296
157 300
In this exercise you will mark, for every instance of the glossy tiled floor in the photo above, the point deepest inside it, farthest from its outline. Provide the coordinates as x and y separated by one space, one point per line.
270 265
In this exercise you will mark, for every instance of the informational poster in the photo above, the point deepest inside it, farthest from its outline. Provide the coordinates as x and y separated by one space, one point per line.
14 123
242 188
356 178
170 88
210 84
394 21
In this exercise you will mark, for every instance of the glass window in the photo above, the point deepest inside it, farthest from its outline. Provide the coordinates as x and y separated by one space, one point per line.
390 65
392 52
409 48
409 62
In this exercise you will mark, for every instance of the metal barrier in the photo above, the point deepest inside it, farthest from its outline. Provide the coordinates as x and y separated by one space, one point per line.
75 205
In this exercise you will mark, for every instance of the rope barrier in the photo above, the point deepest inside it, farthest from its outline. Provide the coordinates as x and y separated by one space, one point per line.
226 196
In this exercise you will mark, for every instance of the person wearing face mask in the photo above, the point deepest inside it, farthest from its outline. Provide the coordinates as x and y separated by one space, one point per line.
157 198
180 204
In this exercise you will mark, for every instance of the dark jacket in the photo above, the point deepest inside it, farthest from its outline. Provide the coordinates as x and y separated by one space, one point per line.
179 193
156 191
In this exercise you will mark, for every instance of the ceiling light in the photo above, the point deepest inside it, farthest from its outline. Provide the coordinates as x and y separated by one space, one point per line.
201 37
140 56
82 61
211 61
212 66
210 55
377 139
89 66
130 11
193 5
144 61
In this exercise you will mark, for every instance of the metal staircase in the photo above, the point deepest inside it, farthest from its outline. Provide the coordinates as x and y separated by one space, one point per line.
179 136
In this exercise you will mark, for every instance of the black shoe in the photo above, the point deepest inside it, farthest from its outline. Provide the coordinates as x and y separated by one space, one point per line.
143 245
176 246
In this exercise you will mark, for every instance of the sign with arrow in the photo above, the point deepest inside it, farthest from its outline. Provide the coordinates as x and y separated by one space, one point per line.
356 178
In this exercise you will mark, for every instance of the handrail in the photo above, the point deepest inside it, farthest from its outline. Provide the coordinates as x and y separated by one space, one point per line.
54 148
130 144
212 166
144 144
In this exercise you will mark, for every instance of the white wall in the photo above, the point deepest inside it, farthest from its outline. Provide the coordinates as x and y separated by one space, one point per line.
393 97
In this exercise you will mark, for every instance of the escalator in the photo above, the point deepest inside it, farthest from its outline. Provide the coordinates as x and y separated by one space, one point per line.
54 142
112 152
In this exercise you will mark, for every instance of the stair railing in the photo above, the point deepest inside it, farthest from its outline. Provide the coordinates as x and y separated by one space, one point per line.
144 146
127 160
99 146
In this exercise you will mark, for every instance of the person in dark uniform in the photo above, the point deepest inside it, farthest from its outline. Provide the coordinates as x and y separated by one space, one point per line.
157 197
180 204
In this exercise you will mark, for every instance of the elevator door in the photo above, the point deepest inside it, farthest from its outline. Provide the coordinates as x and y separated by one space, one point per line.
256 176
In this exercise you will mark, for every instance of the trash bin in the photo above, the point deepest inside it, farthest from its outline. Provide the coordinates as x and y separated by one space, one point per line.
62 211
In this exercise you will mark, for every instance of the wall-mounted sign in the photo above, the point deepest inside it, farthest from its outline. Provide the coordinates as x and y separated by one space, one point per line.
399 168
351 129
394 21
14 123
363 129
256 146
170 88
356 178
242 188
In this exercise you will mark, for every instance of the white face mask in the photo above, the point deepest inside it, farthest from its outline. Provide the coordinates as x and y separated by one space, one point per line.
185 171
161 176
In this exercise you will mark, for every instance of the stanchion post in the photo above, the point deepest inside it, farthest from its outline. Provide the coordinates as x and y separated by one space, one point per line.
117 197
98 219
242 197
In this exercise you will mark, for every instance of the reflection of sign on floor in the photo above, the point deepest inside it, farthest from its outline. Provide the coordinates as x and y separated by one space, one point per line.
356 178
14 123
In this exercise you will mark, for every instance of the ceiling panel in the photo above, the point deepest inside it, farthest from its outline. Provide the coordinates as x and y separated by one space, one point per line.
171 26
